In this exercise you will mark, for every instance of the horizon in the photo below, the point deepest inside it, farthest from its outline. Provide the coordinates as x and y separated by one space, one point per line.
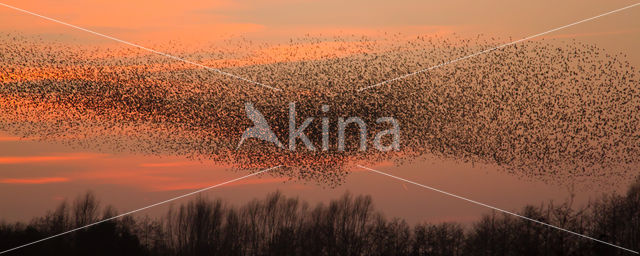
149 102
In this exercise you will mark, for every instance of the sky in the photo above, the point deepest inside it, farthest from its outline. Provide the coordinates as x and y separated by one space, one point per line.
36 175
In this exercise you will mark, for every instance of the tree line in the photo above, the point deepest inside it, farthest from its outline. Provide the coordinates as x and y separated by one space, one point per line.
350 225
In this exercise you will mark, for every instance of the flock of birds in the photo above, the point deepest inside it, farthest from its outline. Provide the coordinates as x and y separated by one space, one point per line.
549 109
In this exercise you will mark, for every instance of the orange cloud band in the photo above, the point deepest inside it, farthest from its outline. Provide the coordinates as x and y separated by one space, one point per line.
44 180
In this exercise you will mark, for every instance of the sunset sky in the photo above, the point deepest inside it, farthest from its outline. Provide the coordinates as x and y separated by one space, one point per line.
36 175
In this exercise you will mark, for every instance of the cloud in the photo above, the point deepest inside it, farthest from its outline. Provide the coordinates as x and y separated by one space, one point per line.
146 20
44 180
37 159
169 164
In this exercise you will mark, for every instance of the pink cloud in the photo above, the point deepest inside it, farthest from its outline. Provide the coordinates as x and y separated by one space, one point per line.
36 159
169 164
43 180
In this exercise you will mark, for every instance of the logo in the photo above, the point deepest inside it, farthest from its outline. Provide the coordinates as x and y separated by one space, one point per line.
262 130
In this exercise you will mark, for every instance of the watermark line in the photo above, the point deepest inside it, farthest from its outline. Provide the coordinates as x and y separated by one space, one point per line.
495 48
497 209
143 48
141 209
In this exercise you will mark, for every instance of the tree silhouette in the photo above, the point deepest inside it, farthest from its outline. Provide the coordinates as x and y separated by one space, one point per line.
350 225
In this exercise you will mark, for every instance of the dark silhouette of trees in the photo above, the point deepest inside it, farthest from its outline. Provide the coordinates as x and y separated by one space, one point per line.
109 238
278 225
442 239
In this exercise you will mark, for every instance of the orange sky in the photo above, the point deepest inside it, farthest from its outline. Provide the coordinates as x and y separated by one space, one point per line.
43 180
42 173
214 20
